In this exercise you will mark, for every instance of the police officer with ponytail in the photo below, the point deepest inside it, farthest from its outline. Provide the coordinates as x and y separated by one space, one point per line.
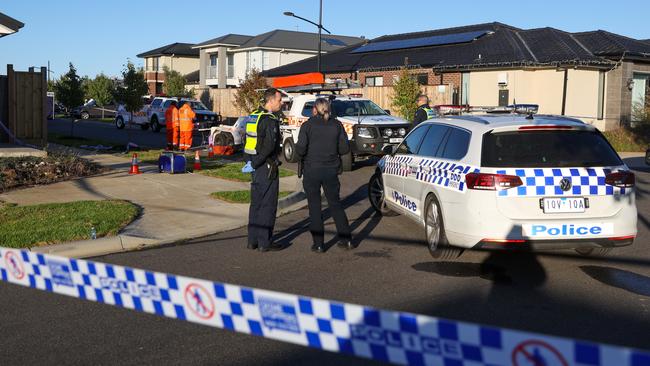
262 148
321 142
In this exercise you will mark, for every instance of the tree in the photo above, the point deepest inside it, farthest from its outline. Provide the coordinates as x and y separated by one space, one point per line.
85 84
406 92
250 92
69 92
131 92
174 85
102 90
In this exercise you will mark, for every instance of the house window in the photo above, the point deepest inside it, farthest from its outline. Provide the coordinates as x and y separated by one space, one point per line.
266 56
213 68
640 94
423 79
155 63
231 65
374 80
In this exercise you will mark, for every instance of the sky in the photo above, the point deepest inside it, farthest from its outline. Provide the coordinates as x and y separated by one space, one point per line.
100 36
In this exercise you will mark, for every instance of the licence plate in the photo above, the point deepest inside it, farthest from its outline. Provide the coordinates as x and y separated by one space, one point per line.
563 204
395 140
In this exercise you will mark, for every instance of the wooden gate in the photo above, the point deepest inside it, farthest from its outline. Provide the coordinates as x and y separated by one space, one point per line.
23 105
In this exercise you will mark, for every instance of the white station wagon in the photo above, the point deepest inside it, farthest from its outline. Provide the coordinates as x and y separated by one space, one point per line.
509 181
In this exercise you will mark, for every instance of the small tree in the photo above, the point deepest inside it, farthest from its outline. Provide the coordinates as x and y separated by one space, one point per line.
69 92
131 92
102 90
250 92
174 85
406 92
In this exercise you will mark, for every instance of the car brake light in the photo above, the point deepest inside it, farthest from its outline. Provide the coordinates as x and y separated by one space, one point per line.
545 127
504 241
491 182
623 179
621 238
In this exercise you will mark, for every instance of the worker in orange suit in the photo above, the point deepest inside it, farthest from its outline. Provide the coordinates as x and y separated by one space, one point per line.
186 116
172 125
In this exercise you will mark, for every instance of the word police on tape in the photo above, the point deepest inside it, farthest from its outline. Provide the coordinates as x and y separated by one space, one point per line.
388 336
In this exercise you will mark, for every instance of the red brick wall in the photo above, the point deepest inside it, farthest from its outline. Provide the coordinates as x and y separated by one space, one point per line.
452 79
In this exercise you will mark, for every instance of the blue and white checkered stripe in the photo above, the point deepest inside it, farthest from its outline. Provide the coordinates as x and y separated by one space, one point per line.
546 182
397 165
389 336
445 174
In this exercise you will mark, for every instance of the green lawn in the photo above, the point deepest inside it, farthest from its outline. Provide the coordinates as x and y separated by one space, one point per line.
28 226
232 171
240 196
630 139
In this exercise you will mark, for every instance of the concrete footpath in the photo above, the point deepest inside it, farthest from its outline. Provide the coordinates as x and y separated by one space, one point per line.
174 207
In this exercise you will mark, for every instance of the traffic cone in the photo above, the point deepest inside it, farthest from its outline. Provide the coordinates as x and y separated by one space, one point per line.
211 151
134 165
197 161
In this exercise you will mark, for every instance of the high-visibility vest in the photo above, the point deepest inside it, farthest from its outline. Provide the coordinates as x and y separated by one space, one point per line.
430 112
186 115
171 116
251 130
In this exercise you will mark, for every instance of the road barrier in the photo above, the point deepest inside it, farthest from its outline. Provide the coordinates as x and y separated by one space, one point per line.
382 335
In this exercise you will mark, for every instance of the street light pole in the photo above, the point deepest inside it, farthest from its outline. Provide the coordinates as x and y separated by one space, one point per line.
320 29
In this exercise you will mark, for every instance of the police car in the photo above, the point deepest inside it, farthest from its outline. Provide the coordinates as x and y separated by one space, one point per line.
509 181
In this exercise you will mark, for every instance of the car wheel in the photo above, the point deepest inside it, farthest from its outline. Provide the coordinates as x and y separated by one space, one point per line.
119 123
230 141
347 161
289 151
434 229
155 126
85 115
593 252
376 196
220 139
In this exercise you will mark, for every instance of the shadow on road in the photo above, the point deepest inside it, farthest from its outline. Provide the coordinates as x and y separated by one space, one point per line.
626 280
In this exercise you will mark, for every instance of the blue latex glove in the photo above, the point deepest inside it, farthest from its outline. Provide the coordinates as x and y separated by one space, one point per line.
248 168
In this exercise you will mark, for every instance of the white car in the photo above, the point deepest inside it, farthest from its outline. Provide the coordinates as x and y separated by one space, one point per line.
369 128
498 182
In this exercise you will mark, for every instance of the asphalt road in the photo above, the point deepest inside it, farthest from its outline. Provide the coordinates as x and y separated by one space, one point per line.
108 132
560 293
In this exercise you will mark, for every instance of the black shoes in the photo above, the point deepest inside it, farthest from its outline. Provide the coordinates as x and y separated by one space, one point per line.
251 246
318 248
345 244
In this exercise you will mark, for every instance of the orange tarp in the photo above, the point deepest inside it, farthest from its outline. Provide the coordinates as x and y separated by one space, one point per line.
300 79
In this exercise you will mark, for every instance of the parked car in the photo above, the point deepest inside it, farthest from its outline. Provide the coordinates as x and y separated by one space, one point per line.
508 182
647 156
92 110
205 118
141 118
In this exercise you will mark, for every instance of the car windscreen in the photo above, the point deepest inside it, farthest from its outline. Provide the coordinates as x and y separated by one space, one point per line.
344 108
547 148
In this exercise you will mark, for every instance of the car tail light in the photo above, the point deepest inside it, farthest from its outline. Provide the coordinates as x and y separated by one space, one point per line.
623 179
622 238
504 241
491 182
545 127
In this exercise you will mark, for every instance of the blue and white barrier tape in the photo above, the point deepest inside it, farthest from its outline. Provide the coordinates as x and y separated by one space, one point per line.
382 335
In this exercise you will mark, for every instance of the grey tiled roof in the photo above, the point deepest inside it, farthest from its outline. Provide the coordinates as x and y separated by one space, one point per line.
298 40
178 49
228 39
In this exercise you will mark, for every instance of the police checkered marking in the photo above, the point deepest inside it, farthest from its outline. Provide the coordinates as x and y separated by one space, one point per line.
546 182
397 165
389 336
444 173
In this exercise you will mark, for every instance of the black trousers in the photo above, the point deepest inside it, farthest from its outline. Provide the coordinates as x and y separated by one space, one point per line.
313 180
264 206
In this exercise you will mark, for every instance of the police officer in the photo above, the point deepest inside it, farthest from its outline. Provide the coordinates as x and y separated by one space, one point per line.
321 142
424 112
263 146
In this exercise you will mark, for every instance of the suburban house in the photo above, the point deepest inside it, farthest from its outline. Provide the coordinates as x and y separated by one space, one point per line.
179 57
9 25
226 60
597 76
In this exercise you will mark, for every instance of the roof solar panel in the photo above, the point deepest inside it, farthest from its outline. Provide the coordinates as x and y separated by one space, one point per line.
334 42
421 42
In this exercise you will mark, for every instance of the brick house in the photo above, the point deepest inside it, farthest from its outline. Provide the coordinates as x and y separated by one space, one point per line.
596 76
179 57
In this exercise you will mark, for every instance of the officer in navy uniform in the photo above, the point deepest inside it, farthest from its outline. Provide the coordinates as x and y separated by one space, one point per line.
263 147
424 112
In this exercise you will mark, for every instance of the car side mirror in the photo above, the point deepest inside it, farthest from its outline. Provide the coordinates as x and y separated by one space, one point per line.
389 149
387 111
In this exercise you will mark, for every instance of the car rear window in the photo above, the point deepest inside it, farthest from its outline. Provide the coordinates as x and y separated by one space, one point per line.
550 148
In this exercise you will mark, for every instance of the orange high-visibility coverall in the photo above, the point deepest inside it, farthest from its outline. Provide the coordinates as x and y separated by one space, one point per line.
186 116
172 125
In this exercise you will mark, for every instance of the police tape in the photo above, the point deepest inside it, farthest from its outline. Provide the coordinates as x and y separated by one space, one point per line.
382 335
